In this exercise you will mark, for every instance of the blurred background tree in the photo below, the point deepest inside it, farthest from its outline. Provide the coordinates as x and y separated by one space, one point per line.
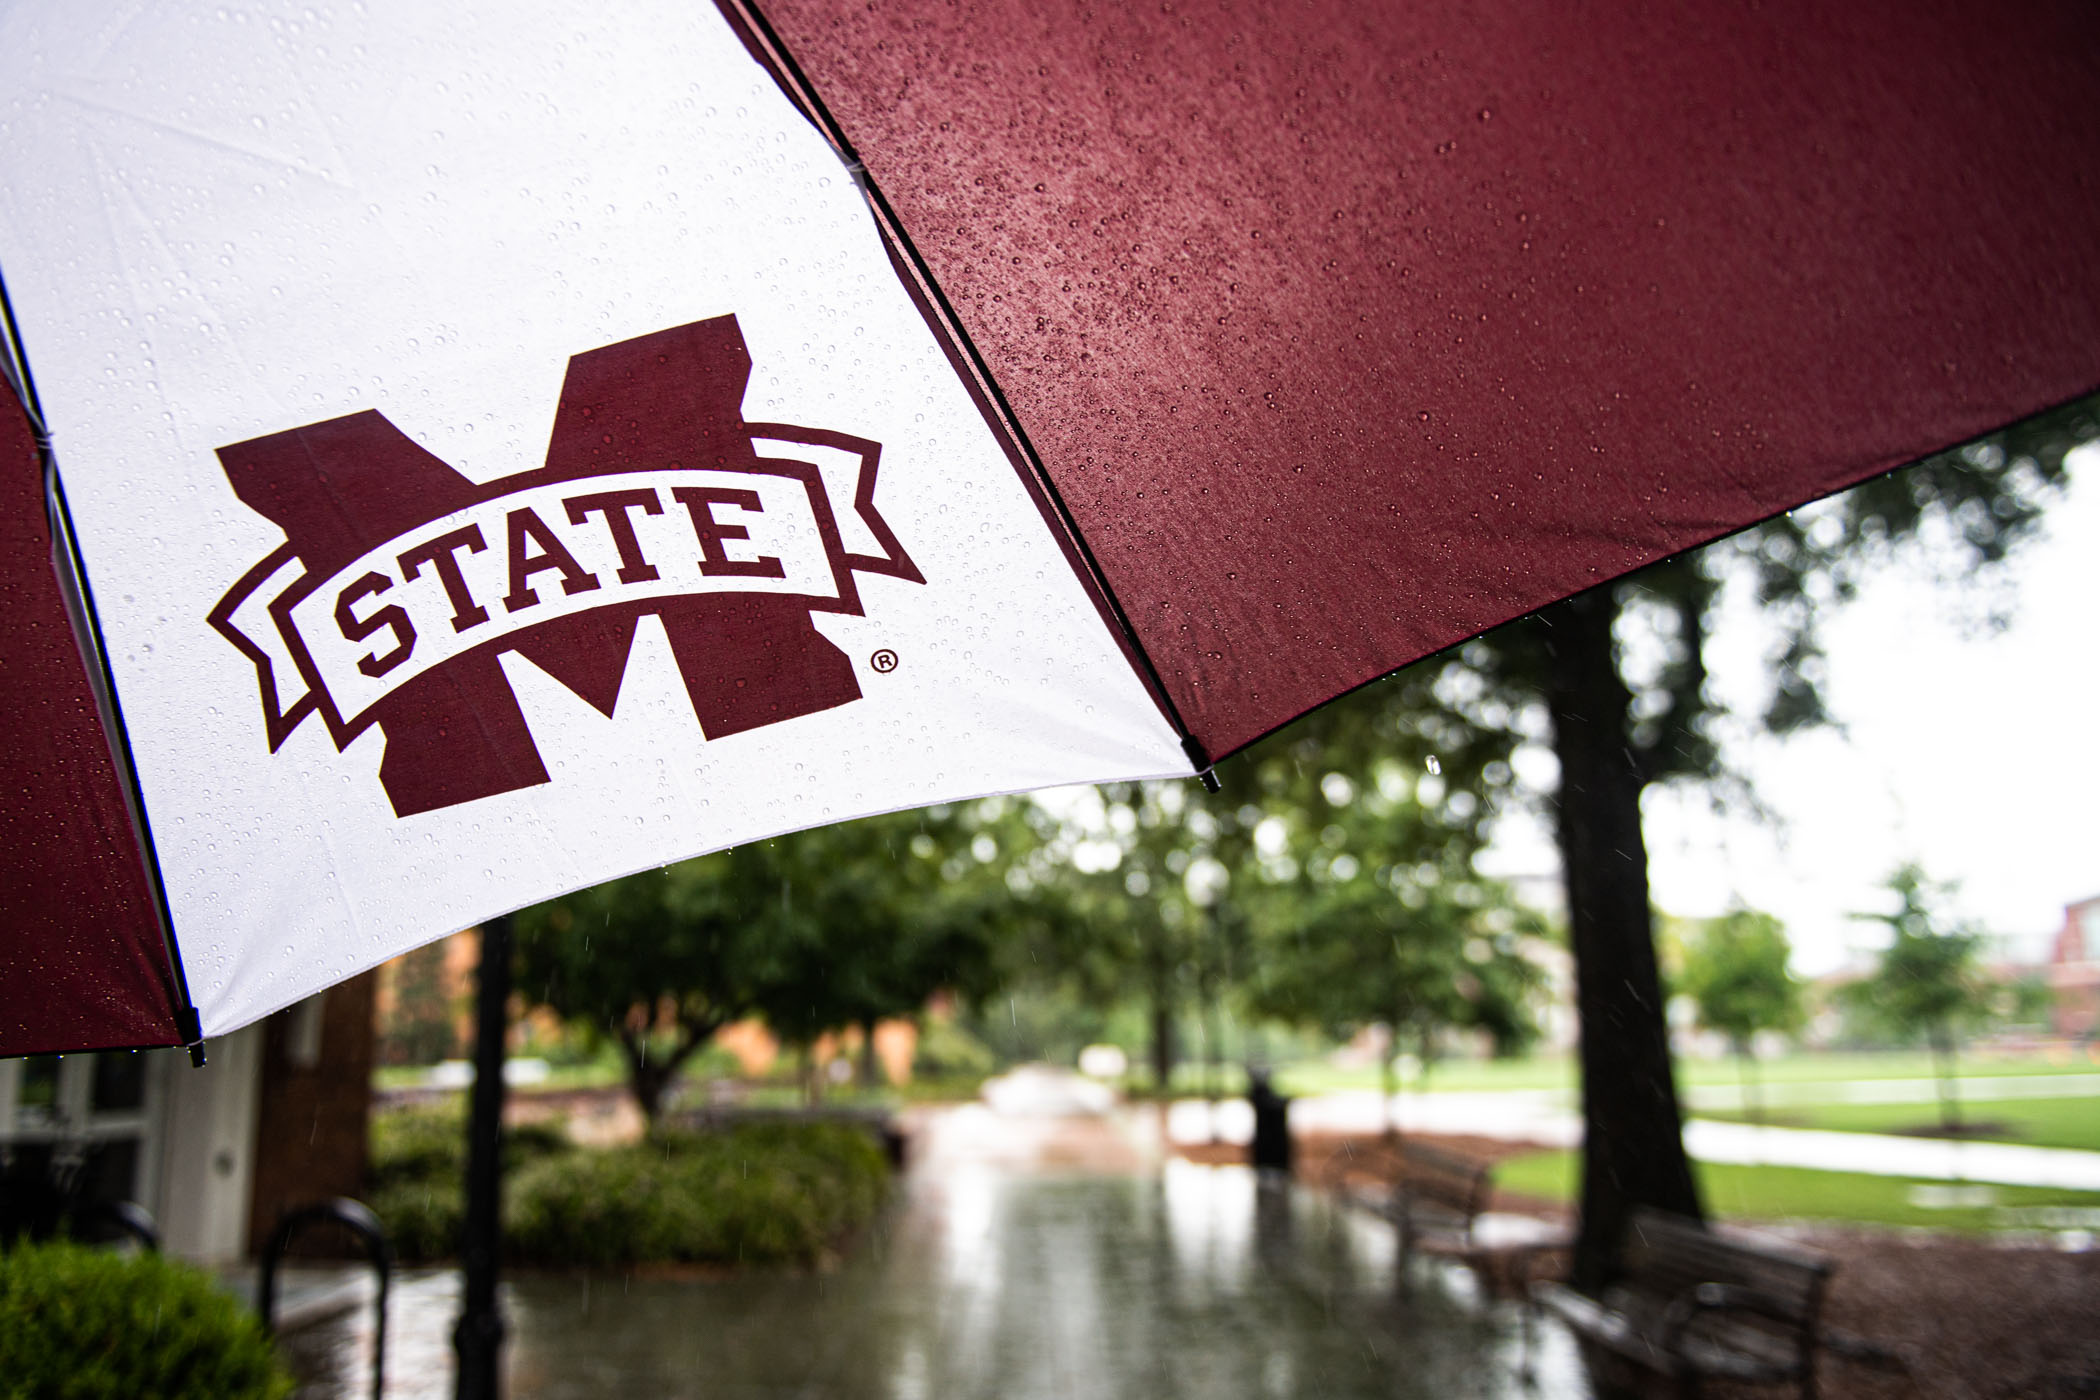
1929 981
870 919
1736 973
1615 680
656 962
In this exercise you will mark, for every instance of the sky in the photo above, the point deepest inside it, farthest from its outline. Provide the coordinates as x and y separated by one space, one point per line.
1975 753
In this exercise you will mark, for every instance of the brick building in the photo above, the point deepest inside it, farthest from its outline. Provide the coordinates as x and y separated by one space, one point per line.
2074 970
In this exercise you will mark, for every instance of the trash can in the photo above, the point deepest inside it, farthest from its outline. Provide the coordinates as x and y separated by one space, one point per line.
1272 1127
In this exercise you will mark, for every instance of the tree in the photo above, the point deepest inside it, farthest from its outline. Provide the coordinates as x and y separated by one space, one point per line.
868 919
1618 675
1371 913
1140 914
657 961
1928 982
839 926
1735 971
1416 957
1177 883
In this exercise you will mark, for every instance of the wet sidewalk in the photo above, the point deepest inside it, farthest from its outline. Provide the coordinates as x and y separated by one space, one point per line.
1028 1256
1546 1117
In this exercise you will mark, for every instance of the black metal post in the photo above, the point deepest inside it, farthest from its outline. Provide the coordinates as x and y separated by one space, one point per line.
478 1339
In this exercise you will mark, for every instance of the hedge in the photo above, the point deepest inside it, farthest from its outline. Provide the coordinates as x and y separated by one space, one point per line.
763 1194
79 1323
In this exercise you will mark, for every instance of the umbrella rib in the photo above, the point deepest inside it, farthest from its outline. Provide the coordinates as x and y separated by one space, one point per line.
766 46
73 581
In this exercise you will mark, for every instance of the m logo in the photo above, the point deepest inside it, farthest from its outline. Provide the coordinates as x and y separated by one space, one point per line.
401 582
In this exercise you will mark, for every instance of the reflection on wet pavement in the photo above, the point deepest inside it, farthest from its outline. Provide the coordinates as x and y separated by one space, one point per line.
1018 1262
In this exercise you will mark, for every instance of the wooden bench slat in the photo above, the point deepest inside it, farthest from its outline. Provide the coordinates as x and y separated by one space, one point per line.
1764 1330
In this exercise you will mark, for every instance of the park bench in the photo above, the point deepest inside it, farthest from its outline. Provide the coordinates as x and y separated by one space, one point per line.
1438 1202
1437 1196
1696 1305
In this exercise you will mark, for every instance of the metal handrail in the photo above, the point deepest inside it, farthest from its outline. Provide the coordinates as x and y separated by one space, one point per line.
125 1218
54 1201
359 1220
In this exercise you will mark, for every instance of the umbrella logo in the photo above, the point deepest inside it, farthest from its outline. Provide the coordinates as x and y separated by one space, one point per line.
401 582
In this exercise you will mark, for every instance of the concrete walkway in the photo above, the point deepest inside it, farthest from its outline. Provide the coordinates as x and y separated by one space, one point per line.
1729 1098
1041 1246
1545 1117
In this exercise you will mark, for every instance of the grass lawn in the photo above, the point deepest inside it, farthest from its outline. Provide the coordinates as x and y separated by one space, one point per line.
592 1074
1543 1072
1558 1072
1797 1193
2067 1122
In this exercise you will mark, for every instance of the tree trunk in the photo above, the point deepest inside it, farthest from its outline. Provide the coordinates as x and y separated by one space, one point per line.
812 1076
1633 1131
1943 1071
1753 1092
871 1075
645 1080
1162 1043
649 1080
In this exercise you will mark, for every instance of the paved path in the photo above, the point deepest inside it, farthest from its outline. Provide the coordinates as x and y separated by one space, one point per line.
1543 1116
1729 1098
1032 1256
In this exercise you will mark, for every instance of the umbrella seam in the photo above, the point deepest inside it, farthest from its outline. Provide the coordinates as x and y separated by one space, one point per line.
767 47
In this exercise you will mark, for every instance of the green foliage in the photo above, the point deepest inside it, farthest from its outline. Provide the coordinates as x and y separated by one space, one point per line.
1929 981
411 1144
759 1195
868 919
87 1324
1802 1193
2028 1000
2072 1122
1376 916
1969 507
423 1215
817 931
416 1172
673 949
946 1050
1418 962
1735 971
415 1144
769 1194
1174 902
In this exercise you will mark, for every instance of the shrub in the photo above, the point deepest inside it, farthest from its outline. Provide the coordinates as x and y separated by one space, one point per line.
769 1194
429 1141
422 1217
418 1170
417 1144
778 1194
87 1324
948 1051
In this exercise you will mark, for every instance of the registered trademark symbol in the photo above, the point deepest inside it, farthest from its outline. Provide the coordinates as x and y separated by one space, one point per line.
884 661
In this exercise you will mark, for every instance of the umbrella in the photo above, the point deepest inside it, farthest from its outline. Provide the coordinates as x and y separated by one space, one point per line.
486 450
495 451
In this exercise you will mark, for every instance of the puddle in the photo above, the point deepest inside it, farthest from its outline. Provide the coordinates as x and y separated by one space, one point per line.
989 1278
